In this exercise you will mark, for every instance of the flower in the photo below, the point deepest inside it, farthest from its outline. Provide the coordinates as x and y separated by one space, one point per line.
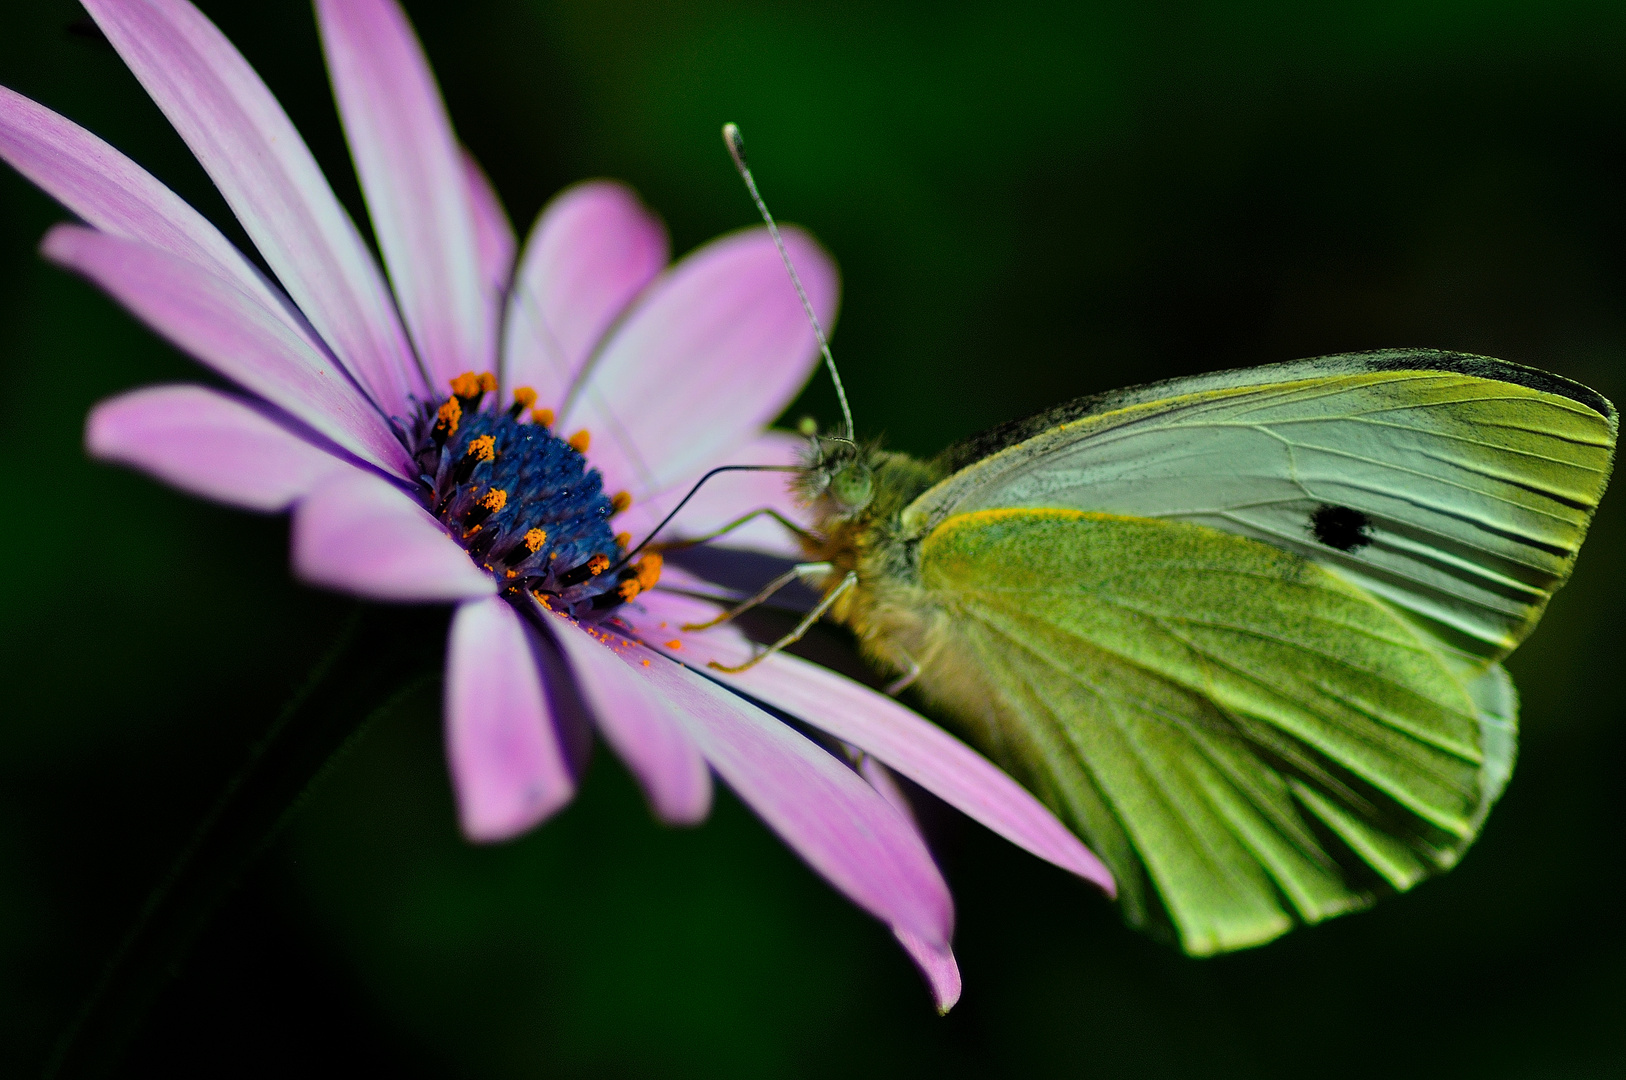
416 431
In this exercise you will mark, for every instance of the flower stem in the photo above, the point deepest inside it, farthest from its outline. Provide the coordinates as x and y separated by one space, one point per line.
380 657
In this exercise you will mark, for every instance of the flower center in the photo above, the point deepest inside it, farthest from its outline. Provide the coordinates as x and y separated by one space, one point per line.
523 502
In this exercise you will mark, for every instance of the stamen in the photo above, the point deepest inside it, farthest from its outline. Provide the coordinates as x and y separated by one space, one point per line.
622 540
649 570
591 568
447 417
524 398
490 503
543 417
528 545
634 580
579 441
620 500
480 450
469 388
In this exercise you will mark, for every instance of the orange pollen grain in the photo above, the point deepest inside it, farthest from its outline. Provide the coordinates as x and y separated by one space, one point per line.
542 416
598 564
674 644
534 539
629 588
524 397
449 415
620 500
488 382
580 440
646 663
484 448
494 500
466 384
623 539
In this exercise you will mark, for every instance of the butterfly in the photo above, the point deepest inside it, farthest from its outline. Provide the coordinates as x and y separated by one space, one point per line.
1243 632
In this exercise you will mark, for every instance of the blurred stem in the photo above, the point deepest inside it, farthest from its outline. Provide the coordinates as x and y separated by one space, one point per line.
379 658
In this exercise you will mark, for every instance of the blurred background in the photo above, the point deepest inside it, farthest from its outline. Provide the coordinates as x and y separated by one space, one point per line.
1028 202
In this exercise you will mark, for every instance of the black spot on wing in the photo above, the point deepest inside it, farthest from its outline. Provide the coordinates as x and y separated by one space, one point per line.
1341 527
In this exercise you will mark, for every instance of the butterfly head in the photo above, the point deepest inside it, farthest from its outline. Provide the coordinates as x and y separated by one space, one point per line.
836 474
851 486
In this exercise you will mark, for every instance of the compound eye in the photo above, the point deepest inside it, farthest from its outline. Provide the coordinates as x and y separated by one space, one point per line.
852 486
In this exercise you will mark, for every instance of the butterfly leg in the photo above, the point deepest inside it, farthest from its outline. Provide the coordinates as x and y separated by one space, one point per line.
800 570
795 529
906 680
801 628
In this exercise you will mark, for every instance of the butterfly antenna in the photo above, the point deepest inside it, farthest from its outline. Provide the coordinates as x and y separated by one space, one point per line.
736 150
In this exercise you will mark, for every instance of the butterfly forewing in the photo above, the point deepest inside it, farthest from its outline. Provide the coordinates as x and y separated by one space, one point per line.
1246 737
1456 488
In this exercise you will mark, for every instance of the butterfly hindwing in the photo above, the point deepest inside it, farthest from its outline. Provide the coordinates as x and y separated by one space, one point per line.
1247 737
1456 488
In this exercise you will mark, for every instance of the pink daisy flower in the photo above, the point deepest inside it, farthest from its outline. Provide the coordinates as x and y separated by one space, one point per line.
403 491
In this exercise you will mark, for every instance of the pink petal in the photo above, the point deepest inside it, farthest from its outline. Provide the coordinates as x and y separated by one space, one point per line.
638 723
413 176
728 496
817 805
209 444
117 196
234 333
923 752
885 783
250 149
714 351
881 727
508 768
493 232
936 962
360 534
591 251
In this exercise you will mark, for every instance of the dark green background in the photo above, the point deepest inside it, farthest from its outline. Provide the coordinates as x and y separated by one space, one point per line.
1028 202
